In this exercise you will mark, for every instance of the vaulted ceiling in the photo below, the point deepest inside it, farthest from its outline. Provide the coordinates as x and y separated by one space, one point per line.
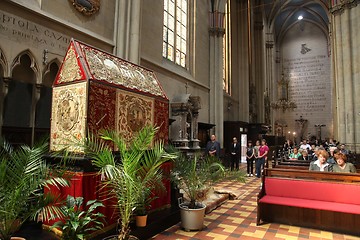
282 14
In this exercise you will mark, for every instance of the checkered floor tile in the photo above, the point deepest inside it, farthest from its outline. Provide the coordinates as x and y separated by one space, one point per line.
236 219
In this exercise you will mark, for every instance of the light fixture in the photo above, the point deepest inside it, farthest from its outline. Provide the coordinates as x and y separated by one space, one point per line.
283 102
300 17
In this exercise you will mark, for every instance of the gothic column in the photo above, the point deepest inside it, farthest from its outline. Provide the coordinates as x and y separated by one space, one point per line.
216 73
269 45
345 15
127 27
35 99
134 38
4 91
243 58
258 66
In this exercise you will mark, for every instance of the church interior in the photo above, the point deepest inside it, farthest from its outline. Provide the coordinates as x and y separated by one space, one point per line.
230 72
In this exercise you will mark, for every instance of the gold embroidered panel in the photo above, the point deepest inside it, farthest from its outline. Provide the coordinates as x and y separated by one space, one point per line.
68 123
133 112
70 70
114 70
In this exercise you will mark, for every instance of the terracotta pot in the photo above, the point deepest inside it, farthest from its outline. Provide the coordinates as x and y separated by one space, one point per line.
17 238
141 221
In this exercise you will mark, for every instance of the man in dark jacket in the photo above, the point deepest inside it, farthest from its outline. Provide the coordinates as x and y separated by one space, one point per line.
213 147
234 154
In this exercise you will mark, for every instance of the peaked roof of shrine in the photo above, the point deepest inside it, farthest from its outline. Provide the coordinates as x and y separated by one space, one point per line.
83 62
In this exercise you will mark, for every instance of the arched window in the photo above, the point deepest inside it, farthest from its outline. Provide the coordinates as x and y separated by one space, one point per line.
175 31
19 99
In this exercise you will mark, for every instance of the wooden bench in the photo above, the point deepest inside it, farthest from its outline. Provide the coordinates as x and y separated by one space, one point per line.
329 201
288 166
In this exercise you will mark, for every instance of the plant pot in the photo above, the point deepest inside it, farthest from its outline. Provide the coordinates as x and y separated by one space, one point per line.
17 238
192 219
141 221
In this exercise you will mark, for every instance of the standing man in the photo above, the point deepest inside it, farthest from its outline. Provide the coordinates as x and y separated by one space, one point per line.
263 151
213 147
235 153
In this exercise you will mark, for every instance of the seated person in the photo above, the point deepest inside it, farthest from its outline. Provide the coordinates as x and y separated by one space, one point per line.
313 156
342 165
331 159
295 154
305 145
304 156
343 149
320 164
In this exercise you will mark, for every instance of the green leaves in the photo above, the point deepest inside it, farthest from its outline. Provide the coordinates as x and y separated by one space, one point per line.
195 176
77 222
133 179
23 174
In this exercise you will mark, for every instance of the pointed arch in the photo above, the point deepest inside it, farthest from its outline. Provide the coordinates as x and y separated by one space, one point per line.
50 71
26 60
3 63
217 5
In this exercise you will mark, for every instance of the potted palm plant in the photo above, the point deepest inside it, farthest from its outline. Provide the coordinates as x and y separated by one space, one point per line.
23 175
139 169
195 176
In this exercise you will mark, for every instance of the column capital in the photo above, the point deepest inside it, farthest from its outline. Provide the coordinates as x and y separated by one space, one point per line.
219 32
339 7
216 22
269 44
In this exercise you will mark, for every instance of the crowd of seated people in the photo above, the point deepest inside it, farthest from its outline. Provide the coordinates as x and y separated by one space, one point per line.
327 156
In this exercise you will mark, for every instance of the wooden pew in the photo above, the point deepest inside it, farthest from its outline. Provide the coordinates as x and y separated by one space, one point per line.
329 201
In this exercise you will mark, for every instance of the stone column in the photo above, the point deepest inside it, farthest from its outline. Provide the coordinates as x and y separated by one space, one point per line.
121 28
345 20
269 45
127 35
134 38
4 92
243 57
35 99
216 74
258 67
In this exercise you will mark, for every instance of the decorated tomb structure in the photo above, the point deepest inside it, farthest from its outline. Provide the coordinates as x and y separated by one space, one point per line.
95 90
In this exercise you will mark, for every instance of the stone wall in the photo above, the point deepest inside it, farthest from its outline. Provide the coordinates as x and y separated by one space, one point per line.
306 64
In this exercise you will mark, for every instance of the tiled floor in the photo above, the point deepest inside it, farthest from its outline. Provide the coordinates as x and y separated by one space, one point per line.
236 219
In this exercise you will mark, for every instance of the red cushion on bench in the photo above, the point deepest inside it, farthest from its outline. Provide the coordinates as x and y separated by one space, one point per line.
312 204
334 192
